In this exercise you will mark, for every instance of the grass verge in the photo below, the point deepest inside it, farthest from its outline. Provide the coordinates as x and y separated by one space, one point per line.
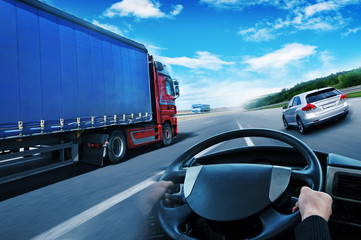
354 94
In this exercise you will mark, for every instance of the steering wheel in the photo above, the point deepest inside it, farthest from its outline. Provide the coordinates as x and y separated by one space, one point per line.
233 192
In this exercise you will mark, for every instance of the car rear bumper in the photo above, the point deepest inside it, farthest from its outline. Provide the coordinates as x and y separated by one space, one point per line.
311 119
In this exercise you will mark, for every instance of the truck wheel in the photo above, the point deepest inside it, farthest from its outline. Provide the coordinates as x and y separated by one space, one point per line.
117 147
167 135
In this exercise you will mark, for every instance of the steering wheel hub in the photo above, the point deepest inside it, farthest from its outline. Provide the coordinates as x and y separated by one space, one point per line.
228 192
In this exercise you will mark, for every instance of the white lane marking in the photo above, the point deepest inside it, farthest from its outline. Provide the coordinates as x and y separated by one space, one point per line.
205 151
248 140
208 122
92 212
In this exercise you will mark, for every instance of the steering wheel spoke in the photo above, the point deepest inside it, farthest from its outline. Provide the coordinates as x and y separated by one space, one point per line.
176 175
274 223
302 178
173 219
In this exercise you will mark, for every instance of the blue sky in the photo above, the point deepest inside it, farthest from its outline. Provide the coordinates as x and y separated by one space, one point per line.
225 52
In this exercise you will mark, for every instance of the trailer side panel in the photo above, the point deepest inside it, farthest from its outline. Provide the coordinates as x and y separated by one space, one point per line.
60 73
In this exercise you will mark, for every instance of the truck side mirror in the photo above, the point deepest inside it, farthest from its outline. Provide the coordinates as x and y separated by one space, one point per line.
176 88
159 66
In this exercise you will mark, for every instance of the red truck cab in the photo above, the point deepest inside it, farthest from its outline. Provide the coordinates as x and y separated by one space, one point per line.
164 125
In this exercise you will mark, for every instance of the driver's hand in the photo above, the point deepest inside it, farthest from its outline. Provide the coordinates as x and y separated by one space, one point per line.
153 194
312 202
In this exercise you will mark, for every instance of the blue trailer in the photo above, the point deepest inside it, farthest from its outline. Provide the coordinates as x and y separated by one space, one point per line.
65 80
59 75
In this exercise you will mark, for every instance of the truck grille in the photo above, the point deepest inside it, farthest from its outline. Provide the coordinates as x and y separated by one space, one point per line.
347 186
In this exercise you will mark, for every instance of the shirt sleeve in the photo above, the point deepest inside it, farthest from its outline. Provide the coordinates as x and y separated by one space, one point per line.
313 228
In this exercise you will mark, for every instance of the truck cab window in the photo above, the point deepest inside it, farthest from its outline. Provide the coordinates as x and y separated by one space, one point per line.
169 87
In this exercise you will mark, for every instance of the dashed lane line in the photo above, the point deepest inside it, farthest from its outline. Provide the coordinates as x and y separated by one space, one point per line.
248 140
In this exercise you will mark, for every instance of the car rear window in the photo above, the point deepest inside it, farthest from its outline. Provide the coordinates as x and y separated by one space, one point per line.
317 96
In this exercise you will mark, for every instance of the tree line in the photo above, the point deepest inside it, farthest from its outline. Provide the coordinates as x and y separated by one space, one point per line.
338 80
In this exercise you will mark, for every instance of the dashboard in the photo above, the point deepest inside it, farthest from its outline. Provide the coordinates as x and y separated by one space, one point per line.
343 183
342 180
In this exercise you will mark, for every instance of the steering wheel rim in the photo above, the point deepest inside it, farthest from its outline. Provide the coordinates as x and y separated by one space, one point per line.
170 218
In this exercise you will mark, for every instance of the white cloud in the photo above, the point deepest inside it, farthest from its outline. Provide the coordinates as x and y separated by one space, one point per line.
352 30
176 10
256 35
282 57
140 9
326 58
241 4
321 23
322 16
320 7
108 27
204 60
155 47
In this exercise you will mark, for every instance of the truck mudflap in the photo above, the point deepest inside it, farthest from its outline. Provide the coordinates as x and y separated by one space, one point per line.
94 149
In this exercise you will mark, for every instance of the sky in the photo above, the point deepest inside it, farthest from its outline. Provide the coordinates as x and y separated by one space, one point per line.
226 52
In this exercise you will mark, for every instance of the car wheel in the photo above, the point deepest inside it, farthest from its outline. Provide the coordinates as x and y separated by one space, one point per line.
167 135
117 147
300 125
285 123
343 116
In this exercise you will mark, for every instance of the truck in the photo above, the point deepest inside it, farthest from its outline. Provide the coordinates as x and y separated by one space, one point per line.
197 108
72 91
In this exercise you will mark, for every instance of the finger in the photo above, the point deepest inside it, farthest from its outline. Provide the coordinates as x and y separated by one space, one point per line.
305 189
295 208
166 184
170 184
167 195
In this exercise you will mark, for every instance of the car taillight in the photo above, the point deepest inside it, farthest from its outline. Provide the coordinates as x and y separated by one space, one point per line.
308 107
343 96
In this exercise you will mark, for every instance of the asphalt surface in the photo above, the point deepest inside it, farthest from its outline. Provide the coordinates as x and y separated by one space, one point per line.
35 205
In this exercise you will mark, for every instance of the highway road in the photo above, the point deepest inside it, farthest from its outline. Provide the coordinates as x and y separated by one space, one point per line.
85 202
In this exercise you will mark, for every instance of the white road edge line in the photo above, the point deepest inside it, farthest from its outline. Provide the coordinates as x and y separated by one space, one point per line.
248 140
92 212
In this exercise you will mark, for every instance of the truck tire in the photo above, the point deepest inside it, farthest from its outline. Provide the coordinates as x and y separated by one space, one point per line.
117 147
167 135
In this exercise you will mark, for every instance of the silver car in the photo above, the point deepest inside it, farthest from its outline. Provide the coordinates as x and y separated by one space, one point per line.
313 107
